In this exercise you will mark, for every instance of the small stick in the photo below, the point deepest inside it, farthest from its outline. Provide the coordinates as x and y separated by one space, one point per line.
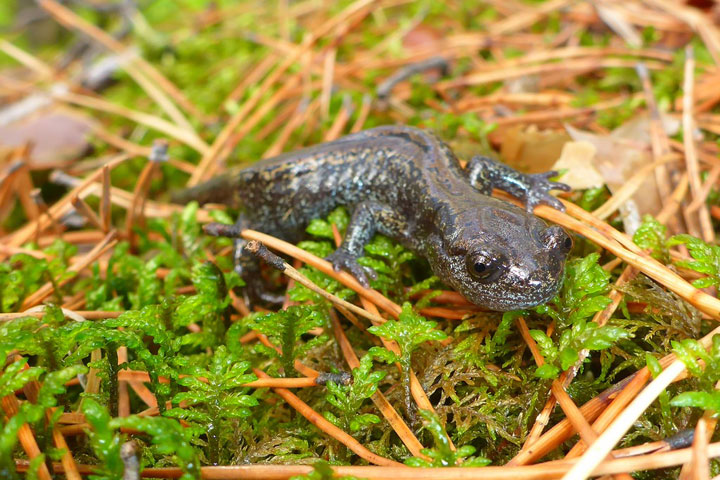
571 411
672 205
217 151
44 210
617 405
105 202
525 18
11 406
262 112
123 393
157 156
271 382
255 75
699 465
622 246
709 183
59 208
23 189
319 421
340 121
323 265
604 444
140 70
259 250
108 242
87 212
86 314
385 88
303 110
631 186
659 142
67 460
691 159
280 119
390 414
161 125
328 76
600 318
570 67
543 471
129 456
30 61
362 114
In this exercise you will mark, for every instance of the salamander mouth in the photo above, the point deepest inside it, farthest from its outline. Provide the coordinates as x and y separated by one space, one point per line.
517 301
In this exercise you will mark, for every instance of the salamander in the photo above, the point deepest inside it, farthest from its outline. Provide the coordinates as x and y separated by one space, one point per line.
407 184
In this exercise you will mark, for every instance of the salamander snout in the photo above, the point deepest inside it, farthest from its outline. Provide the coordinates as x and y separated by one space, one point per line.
555 238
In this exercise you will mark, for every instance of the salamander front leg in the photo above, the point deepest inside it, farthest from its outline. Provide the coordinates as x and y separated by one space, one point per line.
367 218
485 174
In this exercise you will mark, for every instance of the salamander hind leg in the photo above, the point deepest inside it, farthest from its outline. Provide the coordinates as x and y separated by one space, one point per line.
367 218
533 189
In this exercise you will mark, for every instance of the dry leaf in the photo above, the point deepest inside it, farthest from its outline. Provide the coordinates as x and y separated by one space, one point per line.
622 153
577 158
57 136
531 150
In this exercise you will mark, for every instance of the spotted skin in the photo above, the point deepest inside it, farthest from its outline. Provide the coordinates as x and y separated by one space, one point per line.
407 184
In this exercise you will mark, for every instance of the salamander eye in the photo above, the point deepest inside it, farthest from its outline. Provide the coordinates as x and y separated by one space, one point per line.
483 267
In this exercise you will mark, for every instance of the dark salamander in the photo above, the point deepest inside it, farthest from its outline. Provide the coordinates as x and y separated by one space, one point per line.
407 184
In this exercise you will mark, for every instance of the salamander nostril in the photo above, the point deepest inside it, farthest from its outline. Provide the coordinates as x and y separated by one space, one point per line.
555 238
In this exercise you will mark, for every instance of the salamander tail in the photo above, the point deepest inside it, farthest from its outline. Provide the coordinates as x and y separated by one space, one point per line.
215 190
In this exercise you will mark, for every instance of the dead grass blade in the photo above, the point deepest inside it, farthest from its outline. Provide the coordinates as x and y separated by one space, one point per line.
319 421
140 70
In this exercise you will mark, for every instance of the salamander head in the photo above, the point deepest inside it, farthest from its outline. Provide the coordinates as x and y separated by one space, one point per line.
501 257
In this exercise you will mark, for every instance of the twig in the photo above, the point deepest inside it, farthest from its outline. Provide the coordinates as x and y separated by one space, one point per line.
259 250
385 88
129 456
303 110
327 82
156 123
90 257
323 265
319 421
217 149
576 66
270 382
526 18
11 407
611 239
617 405
571 411
140 70
543 471
604 444
390 414
699 465
157 156
659 141
340 121
30 61
87 212
105 205
362 114
631 186
691 160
